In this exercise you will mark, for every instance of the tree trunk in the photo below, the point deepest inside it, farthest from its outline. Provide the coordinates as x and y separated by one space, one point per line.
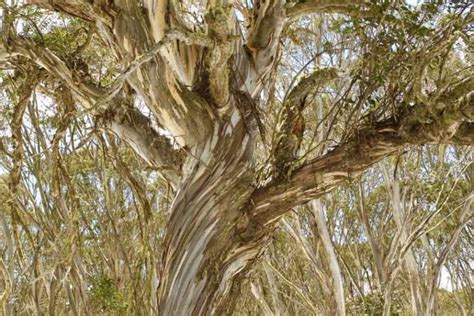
203 249
465 217
338 287
409 260
378 260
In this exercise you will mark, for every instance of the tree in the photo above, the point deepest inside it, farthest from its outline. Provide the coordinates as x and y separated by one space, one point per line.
228 121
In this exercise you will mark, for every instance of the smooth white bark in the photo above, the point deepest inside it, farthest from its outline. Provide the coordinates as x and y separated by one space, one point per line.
338 284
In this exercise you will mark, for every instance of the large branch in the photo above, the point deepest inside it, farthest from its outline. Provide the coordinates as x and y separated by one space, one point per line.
264 34
115 111
349 160
78 8
135 129
162 16
164 81
259 54
180 55
221 24
304 7
257 57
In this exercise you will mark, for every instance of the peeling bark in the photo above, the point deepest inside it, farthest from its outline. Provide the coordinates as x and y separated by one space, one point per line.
203 251
157 150
203 92
303 7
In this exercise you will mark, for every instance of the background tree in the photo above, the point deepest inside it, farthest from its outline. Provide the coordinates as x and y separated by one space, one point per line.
240 112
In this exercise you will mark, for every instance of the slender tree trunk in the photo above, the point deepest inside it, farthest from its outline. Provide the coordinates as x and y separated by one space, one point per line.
373 244
338 286
465 217
409 260
455 288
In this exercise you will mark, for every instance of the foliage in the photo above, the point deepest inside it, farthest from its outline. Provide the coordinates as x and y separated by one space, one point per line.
106 297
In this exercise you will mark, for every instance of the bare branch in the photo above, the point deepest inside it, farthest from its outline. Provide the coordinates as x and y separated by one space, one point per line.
465 218
45 58
27 89
7 285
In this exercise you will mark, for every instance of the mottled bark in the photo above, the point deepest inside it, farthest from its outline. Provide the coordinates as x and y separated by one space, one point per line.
203 92
135 128
203 249
290 134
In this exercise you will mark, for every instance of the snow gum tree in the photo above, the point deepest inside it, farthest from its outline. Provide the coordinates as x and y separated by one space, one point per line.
246 108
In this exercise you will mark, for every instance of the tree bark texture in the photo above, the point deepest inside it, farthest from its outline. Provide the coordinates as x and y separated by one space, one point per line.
202 88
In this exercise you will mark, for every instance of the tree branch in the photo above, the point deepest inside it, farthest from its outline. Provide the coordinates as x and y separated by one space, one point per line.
259 54
125 121
45 58
220 22
135 129
26 90
181 55
164 81
119 82
292 126
303 7
77 8
349 160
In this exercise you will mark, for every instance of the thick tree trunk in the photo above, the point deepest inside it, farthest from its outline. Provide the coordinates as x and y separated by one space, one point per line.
203 249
